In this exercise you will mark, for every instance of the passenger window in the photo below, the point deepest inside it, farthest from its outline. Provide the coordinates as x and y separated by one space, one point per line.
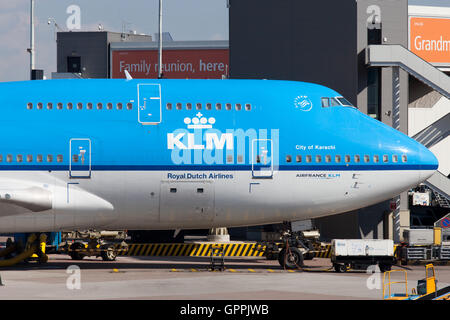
376 158
404 158
169 106
394 158
248 107
337 158
9 158
298 158
59 158
29 158
325 102
188 106
228 106
49 158
218 106
198 106
240 158
327 158
199 190
74 158
385 158
258 158
119 106
347 158
208 106
49 106
19 158
89 106
288 159
29 106
308 158
59 106
356 158
79 106
318 158
1 158
129 106
366 158
39 105
109 106
99 106
39 158
229 158
70 106
238 107
179 106
173 190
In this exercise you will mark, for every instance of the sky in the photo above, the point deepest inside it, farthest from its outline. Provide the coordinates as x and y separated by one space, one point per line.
434 3
184 19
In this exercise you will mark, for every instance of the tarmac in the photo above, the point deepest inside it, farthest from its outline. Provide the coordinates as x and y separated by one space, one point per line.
188 278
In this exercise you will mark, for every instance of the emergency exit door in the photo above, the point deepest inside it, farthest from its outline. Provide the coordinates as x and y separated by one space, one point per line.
262 160
149 104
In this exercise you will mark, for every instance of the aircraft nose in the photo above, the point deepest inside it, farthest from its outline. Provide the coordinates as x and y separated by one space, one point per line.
429 163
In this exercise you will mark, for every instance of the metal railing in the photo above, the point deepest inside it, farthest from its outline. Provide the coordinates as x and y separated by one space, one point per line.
399 56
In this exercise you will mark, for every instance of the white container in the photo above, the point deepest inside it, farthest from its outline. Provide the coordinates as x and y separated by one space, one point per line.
362 247
421 199
419 237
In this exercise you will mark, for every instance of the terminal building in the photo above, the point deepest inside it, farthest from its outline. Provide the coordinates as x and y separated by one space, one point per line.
106 54
391 59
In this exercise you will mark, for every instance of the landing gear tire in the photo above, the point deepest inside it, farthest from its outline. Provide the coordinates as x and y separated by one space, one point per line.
340 267
75 254
109 254
292 259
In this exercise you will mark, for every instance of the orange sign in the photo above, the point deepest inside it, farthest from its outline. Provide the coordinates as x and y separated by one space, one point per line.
429 38
177 64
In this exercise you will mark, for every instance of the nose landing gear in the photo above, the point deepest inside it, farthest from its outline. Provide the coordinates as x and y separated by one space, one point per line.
295 248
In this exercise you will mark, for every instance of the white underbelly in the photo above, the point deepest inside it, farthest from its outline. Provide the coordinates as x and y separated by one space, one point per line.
193 199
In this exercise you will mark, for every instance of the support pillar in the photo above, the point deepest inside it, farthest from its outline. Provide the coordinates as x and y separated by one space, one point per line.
396 98
401 211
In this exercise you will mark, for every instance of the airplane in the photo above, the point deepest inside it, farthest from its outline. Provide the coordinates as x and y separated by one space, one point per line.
134 154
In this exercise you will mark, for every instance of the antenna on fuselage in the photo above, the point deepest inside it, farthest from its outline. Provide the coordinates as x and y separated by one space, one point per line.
128 75
160 41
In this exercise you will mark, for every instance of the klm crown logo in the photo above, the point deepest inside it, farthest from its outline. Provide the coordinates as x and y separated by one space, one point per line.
199 122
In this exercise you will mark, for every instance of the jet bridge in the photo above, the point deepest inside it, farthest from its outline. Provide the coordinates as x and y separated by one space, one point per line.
397 56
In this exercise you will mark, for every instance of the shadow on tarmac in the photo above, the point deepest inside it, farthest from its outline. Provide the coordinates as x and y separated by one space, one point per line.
172 264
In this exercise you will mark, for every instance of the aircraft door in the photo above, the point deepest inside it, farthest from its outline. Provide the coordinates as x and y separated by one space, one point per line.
149 104
262 161
80 158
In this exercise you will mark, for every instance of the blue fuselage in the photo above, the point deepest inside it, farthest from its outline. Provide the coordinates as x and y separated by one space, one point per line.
120 141
175 154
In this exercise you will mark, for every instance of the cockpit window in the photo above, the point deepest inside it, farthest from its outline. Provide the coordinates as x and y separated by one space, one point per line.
329 102
334 102
344 101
